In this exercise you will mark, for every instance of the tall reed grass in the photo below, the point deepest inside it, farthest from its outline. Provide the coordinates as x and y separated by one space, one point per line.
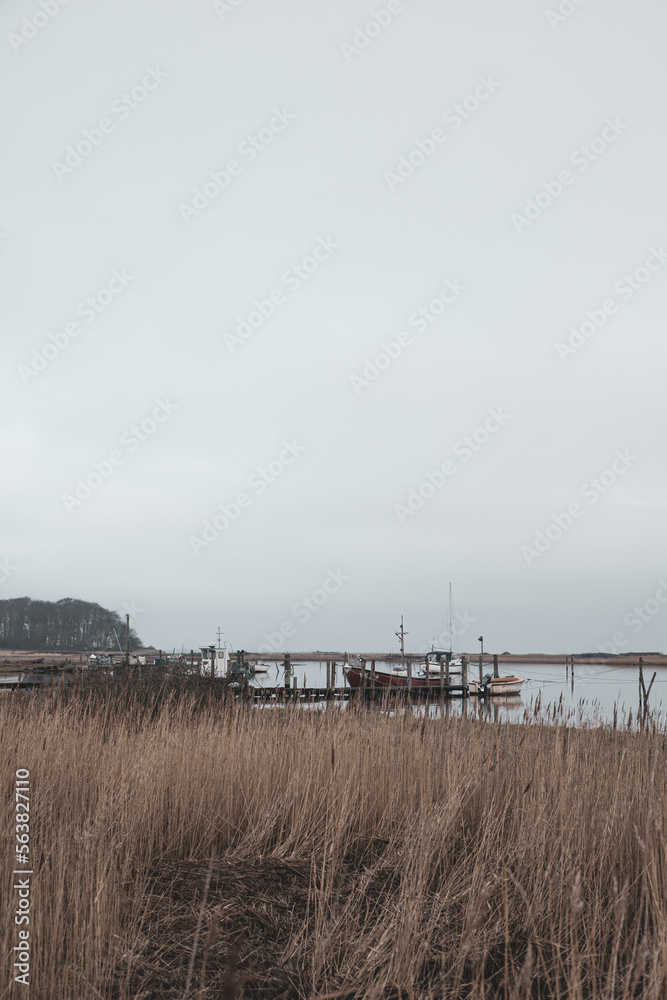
359 853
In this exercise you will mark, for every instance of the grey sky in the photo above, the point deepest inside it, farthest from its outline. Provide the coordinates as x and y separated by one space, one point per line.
497 100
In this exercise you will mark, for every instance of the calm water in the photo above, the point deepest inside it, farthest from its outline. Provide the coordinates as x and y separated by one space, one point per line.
589 699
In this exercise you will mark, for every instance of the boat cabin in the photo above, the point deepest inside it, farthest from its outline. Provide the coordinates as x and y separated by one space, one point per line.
214 662
438 655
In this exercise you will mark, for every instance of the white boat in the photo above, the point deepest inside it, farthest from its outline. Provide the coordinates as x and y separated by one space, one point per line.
260 667
214 662
430 666
491 686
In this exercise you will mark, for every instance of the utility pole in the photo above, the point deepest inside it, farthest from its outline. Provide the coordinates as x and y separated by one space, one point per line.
481 658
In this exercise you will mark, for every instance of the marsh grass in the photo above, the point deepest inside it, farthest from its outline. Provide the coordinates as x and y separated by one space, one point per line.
349 853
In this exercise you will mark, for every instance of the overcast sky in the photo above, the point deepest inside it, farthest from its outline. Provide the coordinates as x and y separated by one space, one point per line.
310 308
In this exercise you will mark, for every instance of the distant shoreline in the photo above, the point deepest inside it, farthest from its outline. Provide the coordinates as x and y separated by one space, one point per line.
7 657
625 660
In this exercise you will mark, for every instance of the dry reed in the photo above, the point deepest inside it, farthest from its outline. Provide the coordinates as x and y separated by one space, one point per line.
353 853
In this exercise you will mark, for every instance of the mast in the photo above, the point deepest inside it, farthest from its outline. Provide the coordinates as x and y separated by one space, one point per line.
450 617
401 633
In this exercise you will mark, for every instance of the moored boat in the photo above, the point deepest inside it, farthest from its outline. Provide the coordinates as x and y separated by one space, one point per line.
391 679
431 665
491 686
260 667
426 674
214 662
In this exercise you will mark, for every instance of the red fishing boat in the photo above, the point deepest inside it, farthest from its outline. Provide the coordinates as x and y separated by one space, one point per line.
391 679
491 686
426 674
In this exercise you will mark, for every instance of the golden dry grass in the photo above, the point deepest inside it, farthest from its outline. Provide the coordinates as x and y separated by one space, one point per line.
348 853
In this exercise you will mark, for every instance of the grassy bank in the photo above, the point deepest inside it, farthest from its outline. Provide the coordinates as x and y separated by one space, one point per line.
349 854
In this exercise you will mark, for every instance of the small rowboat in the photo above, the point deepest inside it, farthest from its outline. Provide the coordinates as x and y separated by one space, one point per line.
260 668
491 686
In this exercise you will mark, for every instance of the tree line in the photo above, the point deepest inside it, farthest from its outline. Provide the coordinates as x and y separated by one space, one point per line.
67 625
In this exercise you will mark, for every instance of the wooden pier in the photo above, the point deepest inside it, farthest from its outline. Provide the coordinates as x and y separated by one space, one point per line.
311 695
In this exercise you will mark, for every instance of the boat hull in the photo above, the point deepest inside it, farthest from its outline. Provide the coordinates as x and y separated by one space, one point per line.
498 686
384 679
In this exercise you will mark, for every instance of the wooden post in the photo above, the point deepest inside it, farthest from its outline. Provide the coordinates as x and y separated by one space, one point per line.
464 684
373 679
481 667
287 662
647 693
363 680
642 690
295 688
333 675
328 672
495 664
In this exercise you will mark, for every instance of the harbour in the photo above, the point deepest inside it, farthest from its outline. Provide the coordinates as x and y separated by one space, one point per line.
585 691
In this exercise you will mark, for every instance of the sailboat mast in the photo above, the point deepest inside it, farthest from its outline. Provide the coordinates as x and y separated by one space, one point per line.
450 618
